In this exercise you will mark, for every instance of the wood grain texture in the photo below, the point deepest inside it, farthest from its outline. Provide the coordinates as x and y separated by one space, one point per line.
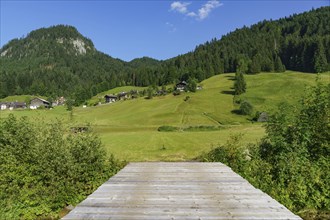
160 190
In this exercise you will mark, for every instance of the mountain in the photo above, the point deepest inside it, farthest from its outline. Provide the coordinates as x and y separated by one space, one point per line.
59 61
49 42
299 42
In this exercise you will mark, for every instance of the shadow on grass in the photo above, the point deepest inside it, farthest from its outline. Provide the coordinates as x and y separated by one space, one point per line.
236 111
227 92
232 78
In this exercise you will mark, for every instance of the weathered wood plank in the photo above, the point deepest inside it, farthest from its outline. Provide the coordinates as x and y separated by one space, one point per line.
178 191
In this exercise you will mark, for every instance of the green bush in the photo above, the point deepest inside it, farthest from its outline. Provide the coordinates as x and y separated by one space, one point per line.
167 128
176 92
292 161
233 153
246 108
46 167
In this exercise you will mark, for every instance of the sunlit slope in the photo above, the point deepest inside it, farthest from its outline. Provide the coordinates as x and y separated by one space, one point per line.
128 129
266 91
212 105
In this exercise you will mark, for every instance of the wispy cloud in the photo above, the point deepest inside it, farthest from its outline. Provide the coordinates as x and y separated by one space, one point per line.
171 27
180 7
202 12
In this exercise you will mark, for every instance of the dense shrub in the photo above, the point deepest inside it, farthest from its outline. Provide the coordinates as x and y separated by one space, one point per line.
176 92
232 153
167 128
46 167
245 108
292 162
202 128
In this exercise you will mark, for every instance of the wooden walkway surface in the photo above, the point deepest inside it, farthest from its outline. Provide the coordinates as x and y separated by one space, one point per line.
163 190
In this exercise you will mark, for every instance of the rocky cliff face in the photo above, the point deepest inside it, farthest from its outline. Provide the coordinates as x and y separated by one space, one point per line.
55 40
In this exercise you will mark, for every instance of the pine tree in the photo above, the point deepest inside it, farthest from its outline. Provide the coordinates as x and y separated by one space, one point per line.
279 67
320 59
254 66
240 84
192 84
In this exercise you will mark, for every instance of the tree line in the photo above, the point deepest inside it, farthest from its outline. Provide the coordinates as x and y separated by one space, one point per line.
45 62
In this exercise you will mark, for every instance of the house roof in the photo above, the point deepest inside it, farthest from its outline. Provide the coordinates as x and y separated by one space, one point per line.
43 100
184 83
14 104
110 96
17 104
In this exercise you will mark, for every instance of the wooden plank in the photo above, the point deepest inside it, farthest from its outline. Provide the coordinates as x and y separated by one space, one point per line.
160 190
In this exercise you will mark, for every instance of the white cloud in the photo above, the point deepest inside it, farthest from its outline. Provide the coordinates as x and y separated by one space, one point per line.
191 14
202 13
180 7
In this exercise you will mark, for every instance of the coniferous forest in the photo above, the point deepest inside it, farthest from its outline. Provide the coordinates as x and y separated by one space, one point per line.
59 61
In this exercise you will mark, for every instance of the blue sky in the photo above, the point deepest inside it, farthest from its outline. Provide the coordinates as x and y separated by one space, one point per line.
130 29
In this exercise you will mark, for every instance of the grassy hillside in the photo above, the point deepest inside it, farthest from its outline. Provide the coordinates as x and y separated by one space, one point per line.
18 98
129 128
100 97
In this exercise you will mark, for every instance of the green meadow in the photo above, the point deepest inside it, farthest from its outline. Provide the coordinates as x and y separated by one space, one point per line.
129 129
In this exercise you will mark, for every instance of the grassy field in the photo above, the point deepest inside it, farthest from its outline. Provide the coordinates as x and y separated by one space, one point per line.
100 97
128 128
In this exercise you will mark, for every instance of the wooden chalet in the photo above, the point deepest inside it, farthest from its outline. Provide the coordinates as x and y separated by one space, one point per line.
39 102
181 86
16 105
12 105
110 98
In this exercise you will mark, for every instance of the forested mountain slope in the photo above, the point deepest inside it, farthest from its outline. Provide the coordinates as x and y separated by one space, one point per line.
299 42
59 61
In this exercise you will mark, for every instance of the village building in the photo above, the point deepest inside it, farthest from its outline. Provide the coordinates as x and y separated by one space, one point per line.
12 105
110 98
39 102
59 101
181 86
16 105
122 95
4 105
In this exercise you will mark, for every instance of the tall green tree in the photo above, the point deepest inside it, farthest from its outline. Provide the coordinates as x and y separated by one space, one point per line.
278 65
192 84
320 59
240 84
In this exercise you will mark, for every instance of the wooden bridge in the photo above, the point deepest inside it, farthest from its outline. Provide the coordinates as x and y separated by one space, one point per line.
163 190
